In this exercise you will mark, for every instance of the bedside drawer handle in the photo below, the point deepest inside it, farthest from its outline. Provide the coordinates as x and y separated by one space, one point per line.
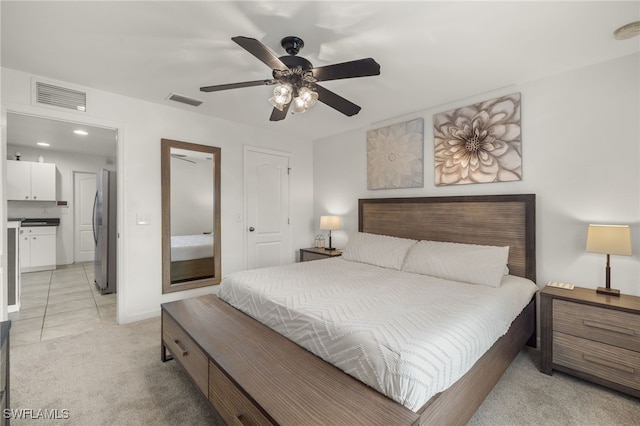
607 363
182 348
608 327
242 419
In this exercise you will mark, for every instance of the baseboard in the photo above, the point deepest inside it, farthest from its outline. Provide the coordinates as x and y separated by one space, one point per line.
27 269
127 319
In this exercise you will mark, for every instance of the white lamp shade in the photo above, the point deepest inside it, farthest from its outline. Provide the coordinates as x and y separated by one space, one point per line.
609 239
330 222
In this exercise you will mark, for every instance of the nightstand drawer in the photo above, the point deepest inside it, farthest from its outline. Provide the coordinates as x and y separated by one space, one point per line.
185 350
307 256
313 253
607 362
608 326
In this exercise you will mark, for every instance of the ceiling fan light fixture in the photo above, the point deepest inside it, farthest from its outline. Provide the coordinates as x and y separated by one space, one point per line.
281 96
308 96
298 105
306 99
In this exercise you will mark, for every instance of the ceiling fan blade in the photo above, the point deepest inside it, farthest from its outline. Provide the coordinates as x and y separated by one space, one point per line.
277 115
358 68
237 85
181 157
335 101
261 52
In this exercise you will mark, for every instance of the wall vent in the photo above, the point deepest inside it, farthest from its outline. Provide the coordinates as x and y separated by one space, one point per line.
184 99
49 94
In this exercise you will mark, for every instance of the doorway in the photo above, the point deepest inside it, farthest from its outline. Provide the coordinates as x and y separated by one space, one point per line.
84 191
268 234
63 300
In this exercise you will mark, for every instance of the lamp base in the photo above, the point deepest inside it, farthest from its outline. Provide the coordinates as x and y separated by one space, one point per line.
329 248
608 291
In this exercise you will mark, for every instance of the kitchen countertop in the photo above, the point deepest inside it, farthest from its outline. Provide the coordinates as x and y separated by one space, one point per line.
50 221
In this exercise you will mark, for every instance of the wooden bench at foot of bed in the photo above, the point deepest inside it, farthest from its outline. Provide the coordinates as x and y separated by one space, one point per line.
253 375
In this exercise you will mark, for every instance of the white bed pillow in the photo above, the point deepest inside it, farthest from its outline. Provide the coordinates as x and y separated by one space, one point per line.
379 250
469 263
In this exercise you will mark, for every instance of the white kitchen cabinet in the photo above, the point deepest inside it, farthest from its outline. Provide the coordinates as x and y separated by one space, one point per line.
43 181
18 180
37 248
31 181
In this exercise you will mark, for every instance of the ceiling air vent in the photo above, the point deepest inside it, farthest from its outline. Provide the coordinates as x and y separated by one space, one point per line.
184 99
61 97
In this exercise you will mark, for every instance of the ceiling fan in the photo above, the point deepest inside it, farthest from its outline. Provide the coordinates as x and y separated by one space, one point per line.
296 78
182 157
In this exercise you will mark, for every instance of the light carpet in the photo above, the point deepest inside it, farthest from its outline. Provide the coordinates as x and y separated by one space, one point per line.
114 376
109 376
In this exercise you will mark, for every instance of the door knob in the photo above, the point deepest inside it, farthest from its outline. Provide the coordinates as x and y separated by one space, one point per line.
251 229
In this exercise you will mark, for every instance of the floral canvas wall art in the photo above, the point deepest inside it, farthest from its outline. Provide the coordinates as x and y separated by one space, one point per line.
395 156
479 143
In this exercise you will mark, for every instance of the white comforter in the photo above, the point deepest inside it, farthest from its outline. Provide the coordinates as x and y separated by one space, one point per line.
188 247
408 336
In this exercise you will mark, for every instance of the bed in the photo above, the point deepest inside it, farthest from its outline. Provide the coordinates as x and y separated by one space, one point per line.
191 257
253 374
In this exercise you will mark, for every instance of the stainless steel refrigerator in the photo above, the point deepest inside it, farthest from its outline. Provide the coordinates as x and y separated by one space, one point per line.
105 232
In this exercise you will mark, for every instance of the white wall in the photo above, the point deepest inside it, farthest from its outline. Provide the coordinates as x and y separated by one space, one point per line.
3 257
581 151
140 126
66 163
3 209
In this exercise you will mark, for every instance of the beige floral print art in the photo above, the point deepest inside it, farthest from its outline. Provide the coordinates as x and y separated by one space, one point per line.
479 143
395 156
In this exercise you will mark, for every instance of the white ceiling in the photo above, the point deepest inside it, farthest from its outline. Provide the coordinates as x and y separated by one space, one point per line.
27 131
431 53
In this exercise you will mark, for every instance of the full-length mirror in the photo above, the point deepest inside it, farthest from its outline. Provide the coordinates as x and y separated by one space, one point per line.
191 254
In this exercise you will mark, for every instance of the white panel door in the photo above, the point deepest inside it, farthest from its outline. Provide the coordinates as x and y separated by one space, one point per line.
267 206
84 195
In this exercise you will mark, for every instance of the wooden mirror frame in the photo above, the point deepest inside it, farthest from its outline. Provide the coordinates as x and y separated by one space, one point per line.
165 162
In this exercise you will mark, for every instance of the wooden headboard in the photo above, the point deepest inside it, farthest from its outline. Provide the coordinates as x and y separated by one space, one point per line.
497 220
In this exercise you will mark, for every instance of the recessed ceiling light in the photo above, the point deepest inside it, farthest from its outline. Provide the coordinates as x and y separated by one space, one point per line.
42 144
80 132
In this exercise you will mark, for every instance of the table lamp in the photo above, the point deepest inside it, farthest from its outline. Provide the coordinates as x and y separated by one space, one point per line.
609 239
330 223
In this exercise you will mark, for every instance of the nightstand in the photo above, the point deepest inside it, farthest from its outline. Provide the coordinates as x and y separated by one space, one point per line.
312 253
592 336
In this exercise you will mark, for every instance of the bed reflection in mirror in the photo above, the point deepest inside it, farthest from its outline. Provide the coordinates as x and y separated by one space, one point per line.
190 215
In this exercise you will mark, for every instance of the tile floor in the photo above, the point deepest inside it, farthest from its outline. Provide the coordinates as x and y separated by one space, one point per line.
60 303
